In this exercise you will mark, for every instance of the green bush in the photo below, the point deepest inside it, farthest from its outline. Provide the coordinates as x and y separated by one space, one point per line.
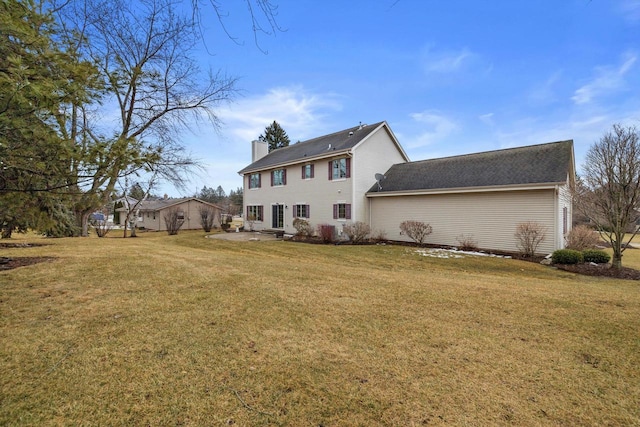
567 256
595 255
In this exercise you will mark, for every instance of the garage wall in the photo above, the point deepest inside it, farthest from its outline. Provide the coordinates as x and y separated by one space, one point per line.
490 217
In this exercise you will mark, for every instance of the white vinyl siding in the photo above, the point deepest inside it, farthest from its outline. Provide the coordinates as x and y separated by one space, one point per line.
490 218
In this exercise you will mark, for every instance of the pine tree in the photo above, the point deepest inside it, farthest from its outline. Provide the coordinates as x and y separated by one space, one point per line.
275 136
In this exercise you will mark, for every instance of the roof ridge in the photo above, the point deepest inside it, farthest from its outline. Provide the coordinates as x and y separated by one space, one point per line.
522 147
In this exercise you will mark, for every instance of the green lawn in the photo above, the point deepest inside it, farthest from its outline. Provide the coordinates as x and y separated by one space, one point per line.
183 330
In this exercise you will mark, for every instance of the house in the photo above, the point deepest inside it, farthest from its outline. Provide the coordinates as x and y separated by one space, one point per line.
323 180
151 213
363 174
483 196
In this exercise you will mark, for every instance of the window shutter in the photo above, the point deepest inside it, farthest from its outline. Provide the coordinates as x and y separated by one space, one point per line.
271 178
259 180
295 211
260 213
303 168
247 212
330 171
335 211
308 210
347 211
348 162
311 170
284 177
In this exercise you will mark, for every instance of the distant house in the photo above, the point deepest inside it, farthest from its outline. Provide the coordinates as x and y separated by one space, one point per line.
338 178
151 212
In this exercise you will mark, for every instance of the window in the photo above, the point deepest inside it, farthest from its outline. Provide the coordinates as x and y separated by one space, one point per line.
342 211
254 180
278 177
254 213
180 214
301 211
307 171
340 168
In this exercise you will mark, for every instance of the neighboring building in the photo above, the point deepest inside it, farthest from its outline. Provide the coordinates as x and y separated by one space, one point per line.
332 180
323 180
151 212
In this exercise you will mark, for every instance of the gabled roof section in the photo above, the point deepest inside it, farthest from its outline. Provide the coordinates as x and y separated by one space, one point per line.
159 204
549 163
323 146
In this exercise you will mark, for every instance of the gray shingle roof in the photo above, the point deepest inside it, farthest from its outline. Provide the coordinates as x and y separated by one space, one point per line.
338 141
534 164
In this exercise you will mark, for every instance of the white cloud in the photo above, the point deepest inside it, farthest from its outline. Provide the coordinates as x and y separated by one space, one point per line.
298 111
487 119
433 127
545 93
608 79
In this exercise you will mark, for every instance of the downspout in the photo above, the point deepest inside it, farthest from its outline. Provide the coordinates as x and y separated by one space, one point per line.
557 227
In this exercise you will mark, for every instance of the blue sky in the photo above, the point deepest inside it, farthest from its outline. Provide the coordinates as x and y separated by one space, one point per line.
450 77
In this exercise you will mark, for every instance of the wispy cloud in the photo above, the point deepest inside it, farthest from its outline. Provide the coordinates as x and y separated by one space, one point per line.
608 79
433 127
630 9
299 111
545 92
447 61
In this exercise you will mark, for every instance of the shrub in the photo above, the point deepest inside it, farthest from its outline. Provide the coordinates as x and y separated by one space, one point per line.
595 255
567 256
467 243
173 219
207 217
379 236
357 232
582 237
102 227
416 230
303 227
326 232
528 236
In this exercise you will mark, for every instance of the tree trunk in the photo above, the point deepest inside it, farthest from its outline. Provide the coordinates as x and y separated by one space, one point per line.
82 221
616 260
6 232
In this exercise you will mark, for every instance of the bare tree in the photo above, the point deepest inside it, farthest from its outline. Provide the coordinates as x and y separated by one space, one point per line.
173 219
208 215
529 235
608 191
145 53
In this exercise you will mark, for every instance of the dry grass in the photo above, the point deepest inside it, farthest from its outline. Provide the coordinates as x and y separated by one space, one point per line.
182 330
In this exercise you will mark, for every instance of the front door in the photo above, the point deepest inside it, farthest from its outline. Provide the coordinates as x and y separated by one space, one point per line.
277 216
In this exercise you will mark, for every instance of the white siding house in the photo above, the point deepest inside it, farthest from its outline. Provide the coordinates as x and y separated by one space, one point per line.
323 180
484 196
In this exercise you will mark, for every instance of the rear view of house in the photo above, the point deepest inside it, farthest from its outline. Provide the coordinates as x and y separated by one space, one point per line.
363 174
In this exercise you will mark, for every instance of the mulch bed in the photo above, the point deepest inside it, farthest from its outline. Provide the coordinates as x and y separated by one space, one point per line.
601 270
15 262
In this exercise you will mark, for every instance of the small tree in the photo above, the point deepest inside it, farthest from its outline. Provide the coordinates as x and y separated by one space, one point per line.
608 192
208 216
173 219
528 236
326 232
467 243
275 136
357 232
416 230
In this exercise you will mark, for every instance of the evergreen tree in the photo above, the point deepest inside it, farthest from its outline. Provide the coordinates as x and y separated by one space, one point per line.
275 136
